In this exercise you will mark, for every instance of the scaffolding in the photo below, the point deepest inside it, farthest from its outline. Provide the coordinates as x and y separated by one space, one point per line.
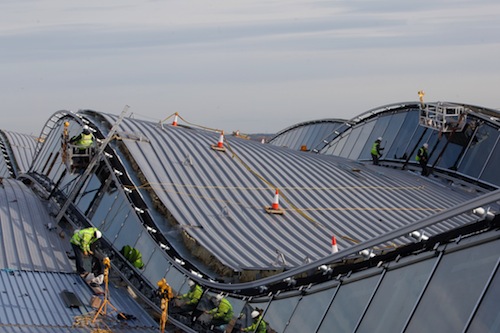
443 117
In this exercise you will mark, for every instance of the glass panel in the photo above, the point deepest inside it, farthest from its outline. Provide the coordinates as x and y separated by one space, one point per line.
490 173
454 290
481 146
305 320
392 131
379 126
348 305
175 278
357 150
340 144
146 245
400 143
129 233
156 267
87 195
353 137
395 298
110 215
487 318
279 312
452 153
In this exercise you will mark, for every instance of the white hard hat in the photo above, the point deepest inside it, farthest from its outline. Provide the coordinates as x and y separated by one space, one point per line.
255 314
379 138
426 145
98 234
190 283
219 297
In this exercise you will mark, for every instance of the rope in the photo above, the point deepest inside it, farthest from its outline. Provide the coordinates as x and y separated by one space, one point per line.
189 123
297 188
300 211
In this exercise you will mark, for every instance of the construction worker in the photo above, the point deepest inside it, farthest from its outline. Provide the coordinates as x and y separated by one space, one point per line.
84 140
81 242
222 313
258 325
376 151
422 158
191 298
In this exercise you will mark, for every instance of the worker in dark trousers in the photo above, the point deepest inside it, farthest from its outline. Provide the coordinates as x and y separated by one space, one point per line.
222 313
189 300
81 242
422 158
376 151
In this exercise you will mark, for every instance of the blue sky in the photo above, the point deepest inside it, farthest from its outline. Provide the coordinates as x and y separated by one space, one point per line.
256 66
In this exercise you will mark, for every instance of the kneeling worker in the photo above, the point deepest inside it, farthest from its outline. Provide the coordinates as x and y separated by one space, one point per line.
258 325
81 242
222 313
191 298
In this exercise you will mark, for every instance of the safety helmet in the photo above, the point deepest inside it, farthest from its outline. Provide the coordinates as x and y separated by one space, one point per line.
379 138
190 283
426 145
219 297
255 314
98 234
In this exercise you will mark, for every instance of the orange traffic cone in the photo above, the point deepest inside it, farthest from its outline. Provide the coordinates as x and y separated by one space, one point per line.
275 208
276 201
220 143
335 248
176 118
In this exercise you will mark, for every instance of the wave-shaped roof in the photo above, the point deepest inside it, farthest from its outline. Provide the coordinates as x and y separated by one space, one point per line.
219 197
26 245
19 149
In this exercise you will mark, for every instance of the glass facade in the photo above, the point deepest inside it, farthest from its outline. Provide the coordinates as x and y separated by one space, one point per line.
396 297
458 280
473 152
306 135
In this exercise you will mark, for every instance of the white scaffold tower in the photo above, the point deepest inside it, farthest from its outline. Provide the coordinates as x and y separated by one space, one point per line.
443 117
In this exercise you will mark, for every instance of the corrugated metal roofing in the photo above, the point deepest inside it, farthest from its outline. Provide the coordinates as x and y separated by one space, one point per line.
224 194
23 147
26 242
35 269
31 301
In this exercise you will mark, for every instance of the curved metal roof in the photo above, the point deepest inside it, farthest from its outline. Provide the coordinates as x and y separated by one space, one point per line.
219 197
24 243
35 270
22 148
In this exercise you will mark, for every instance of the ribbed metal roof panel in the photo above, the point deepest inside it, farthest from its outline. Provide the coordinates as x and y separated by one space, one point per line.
28 240
23 147
223 195
32 302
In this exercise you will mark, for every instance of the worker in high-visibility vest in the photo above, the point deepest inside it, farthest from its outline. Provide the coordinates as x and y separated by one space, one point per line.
422 158
222 313
81 243
192 297
376 151
258 325
84 140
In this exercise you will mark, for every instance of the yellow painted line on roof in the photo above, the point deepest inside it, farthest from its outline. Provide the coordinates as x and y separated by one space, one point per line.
295 188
